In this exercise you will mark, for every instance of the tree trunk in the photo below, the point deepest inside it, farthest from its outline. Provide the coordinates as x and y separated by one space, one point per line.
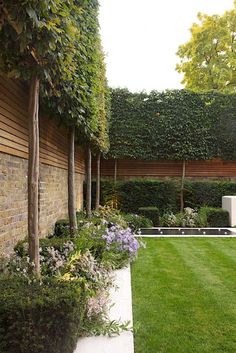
98 183
115 171
33 176
89 184
182 187
71 182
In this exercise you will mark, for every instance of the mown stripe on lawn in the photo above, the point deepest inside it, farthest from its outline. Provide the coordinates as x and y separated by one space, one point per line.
226 246
215 273
177 311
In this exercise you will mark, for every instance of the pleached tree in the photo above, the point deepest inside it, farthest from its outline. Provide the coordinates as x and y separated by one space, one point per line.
53 46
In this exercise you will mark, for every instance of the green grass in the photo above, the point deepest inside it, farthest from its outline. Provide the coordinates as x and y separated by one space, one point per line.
184 296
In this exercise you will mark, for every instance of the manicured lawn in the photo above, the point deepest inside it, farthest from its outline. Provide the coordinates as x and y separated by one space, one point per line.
184 296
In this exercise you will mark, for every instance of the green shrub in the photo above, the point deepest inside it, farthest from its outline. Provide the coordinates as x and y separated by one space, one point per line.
39 317
145 193
135 222
188 218
207 193
213 217
109 192
164 194
132 194
62 228
151 213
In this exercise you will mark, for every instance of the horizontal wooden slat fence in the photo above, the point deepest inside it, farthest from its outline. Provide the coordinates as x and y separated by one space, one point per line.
14 129
127 168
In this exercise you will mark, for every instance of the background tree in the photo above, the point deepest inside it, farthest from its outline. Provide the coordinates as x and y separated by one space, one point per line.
208 59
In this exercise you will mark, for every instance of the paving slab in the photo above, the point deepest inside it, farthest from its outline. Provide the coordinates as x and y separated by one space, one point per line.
121 296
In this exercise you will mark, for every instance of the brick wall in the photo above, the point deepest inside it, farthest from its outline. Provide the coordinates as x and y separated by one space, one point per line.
13 199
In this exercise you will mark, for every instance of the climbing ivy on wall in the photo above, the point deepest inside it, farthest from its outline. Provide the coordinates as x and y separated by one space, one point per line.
176 125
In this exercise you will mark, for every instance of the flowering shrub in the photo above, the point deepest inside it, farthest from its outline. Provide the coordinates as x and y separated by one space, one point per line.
53 260
188 218
17 265
105 215
98 306
94 274
121 239
102 243
120 242
54 256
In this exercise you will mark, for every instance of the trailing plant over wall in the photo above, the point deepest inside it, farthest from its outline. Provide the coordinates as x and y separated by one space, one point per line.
171 125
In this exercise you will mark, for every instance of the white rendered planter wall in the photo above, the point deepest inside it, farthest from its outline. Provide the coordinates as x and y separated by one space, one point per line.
229 204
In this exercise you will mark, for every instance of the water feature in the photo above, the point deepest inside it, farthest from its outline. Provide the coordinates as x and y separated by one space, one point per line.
187 231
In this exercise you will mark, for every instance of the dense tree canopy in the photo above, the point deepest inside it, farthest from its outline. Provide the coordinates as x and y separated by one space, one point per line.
208 59
174 125
56 47
59 42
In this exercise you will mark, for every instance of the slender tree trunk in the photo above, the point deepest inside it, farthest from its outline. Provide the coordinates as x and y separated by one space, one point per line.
89 184
182 187
33 176
115 171
98 183
71 182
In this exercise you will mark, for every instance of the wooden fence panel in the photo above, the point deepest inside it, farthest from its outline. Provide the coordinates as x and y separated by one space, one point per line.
159 169
14 129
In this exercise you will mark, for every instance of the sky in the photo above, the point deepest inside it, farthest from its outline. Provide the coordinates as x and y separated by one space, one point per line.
141 38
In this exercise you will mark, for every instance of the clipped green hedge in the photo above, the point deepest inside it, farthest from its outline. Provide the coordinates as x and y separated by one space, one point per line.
207 193
133 194
214 217
151 213
39 317
164 194
62 228
135 222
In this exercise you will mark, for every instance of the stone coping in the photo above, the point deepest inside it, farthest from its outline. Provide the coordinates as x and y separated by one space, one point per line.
121 296
232 235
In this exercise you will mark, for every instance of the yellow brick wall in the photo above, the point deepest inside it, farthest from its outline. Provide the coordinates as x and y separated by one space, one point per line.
13 199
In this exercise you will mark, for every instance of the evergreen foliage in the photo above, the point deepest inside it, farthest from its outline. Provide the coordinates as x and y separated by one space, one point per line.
172 125
164 194
40 316
59 42
151 213
214 217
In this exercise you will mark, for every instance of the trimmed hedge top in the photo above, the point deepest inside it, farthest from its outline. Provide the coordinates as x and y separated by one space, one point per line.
38 315
172 125
164 194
